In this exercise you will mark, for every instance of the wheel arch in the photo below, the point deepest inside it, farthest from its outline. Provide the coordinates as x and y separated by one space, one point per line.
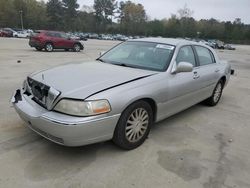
223 79
148 100
78 44
48 42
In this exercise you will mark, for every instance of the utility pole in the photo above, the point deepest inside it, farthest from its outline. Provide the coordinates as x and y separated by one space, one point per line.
21 16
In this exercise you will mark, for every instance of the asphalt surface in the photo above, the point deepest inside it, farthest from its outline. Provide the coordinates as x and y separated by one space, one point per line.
202 147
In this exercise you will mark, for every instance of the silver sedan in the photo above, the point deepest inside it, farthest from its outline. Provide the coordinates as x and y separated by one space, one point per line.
121 94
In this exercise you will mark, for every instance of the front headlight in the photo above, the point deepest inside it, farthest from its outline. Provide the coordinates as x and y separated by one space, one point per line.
83 108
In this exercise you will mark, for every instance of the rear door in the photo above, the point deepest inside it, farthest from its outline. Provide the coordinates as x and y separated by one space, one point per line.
207 69
66 41
58 40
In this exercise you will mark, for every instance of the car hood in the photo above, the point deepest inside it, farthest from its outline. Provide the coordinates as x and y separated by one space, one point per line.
81 80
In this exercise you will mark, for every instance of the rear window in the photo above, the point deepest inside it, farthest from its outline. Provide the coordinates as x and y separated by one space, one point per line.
204 55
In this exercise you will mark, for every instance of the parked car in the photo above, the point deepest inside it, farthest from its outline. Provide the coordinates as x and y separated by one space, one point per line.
74 37
229 47
219 44
83 37
21 34
3 33
50 40
93 36
120 96
7 32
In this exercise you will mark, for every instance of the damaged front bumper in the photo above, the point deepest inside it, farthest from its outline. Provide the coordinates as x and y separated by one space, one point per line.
64 129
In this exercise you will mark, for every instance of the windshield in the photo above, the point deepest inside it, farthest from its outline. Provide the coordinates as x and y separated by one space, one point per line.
143 55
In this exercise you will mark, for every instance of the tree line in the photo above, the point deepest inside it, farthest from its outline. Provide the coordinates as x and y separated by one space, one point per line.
109 16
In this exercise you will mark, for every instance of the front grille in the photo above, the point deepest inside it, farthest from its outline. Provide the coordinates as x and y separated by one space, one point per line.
42 94
39 90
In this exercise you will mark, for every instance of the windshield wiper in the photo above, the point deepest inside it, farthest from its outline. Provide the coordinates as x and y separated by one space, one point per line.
99 59
125 65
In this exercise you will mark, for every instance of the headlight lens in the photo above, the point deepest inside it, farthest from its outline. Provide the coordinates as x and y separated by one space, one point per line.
83 108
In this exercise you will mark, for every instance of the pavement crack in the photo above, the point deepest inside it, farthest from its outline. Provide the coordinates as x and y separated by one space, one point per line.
222 167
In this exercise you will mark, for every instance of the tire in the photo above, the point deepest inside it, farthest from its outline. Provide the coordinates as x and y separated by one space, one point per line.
66 50
49 47
215 98
77 47
133 126
38 48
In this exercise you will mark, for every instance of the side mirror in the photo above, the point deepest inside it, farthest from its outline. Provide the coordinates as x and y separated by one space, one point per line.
184 67
102 53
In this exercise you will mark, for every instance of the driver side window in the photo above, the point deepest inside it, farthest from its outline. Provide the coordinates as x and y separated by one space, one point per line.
186 54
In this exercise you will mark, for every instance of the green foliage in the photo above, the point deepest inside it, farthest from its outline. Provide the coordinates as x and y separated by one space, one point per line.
55 14
70 13
131 19
104 10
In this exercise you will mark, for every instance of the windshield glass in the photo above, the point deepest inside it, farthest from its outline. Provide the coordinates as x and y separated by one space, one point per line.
143 55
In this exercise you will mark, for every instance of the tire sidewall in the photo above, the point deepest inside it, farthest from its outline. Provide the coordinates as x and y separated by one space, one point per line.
213 101
120 133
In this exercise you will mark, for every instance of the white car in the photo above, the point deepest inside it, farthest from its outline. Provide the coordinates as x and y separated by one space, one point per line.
21 34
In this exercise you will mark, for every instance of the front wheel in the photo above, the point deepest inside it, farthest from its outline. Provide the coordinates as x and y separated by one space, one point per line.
215 98
49 47
133 126
77 48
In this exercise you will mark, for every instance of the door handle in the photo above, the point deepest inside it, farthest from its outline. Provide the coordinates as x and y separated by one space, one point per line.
196 75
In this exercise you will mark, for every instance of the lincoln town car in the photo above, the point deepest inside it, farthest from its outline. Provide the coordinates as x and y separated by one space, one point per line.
120 95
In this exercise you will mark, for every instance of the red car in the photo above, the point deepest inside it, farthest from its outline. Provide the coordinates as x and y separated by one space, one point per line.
6 32
50 40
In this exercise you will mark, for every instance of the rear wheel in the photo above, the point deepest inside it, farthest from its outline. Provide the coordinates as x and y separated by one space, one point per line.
133 126
49 47
215 98
77 48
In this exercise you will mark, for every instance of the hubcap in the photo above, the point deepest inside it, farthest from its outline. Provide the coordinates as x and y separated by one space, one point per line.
49 47
217 92
77 48
137 124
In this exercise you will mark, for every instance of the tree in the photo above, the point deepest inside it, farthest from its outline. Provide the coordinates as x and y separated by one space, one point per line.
7 11
55 14
133 18
186 21
70 13
104 10
185 12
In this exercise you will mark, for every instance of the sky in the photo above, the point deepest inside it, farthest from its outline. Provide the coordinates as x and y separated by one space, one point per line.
223 10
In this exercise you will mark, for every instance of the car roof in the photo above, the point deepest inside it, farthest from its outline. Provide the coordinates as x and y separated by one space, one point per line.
170 41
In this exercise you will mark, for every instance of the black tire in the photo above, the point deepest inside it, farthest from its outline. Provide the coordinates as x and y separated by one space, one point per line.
38 48
77 47
49 47
140 127
66 50
215 98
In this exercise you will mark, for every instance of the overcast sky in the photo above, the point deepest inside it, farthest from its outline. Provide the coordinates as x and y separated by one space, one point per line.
223 10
